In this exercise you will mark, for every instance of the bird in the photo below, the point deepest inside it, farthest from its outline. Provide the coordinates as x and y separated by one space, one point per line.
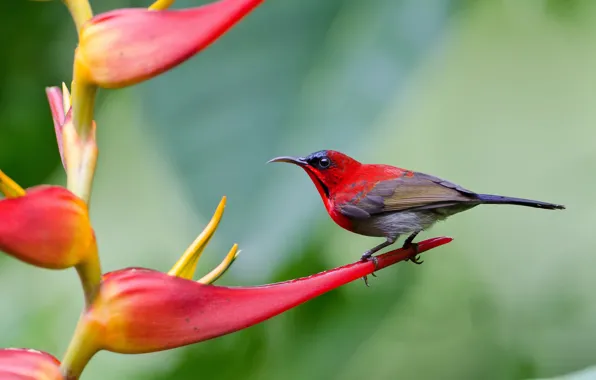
386 201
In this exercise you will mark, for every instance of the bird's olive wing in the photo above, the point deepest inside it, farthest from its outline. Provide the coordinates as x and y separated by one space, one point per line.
418 191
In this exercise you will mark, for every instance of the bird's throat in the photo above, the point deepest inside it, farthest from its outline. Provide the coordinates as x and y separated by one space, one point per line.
321 187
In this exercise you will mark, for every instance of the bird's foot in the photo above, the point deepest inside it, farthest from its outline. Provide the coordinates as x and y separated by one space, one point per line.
365 257
415 257
368 256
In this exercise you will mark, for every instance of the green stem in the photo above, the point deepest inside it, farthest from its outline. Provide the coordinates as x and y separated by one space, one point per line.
90 274
83 103
80 10
82 347
82 147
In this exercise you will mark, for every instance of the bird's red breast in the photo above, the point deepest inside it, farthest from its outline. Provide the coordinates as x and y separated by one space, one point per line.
356 185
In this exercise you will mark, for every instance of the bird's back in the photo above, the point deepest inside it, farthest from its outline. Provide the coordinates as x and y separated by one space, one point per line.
383 200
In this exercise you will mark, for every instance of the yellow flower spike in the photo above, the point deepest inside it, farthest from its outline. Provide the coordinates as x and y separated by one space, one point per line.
186 266
65 97
10 188
80 10
219 270
160 5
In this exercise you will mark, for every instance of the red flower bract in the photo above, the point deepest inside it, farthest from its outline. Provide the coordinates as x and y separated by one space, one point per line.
126 46
141 310
25 364
48 227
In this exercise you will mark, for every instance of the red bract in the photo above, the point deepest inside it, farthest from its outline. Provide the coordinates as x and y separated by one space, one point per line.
141 310
48 227
25 364
126 46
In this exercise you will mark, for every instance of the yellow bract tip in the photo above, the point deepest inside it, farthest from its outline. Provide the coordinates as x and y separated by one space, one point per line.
160 5
219 271
65 97
10 188
186 266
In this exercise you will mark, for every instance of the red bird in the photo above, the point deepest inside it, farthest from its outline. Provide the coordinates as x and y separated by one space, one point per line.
386 201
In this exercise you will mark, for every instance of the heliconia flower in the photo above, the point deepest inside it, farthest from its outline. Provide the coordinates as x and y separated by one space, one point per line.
47 227
141 310
26 364
126 46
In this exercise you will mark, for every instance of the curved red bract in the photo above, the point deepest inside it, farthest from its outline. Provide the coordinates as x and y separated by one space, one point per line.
144 310
126 46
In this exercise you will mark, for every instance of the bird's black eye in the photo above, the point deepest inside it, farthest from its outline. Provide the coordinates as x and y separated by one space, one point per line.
324 163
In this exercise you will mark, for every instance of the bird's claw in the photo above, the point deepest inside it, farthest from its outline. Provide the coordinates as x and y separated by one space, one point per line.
365 278
368 256
415 257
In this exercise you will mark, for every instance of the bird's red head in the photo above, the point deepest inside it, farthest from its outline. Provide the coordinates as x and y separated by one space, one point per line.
326 168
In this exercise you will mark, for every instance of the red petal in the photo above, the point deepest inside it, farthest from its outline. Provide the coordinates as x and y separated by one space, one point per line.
48 227
25 364
126 46
141 310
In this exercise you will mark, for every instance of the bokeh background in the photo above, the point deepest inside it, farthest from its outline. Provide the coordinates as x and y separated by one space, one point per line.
496 95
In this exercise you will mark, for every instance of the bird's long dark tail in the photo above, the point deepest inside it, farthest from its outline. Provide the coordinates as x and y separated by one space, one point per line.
497 199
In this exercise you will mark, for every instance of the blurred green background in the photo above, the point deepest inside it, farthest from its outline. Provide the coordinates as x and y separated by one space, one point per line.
496 95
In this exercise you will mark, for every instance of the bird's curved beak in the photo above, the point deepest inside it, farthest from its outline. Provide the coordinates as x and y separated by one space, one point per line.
300 161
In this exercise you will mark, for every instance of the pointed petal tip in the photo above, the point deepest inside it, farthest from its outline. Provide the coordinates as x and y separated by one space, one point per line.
425 245
52 89
65 97
222 268
9 187
401 254
186 266
160 5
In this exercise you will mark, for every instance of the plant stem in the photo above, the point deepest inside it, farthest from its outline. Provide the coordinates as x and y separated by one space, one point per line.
83 103
80 10
90 274
82 347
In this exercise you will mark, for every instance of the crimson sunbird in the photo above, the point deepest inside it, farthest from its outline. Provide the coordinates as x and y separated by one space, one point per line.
387 201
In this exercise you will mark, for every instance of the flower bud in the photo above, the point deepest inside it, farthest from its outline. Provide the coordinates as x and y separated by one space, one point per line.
48 227
26 364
